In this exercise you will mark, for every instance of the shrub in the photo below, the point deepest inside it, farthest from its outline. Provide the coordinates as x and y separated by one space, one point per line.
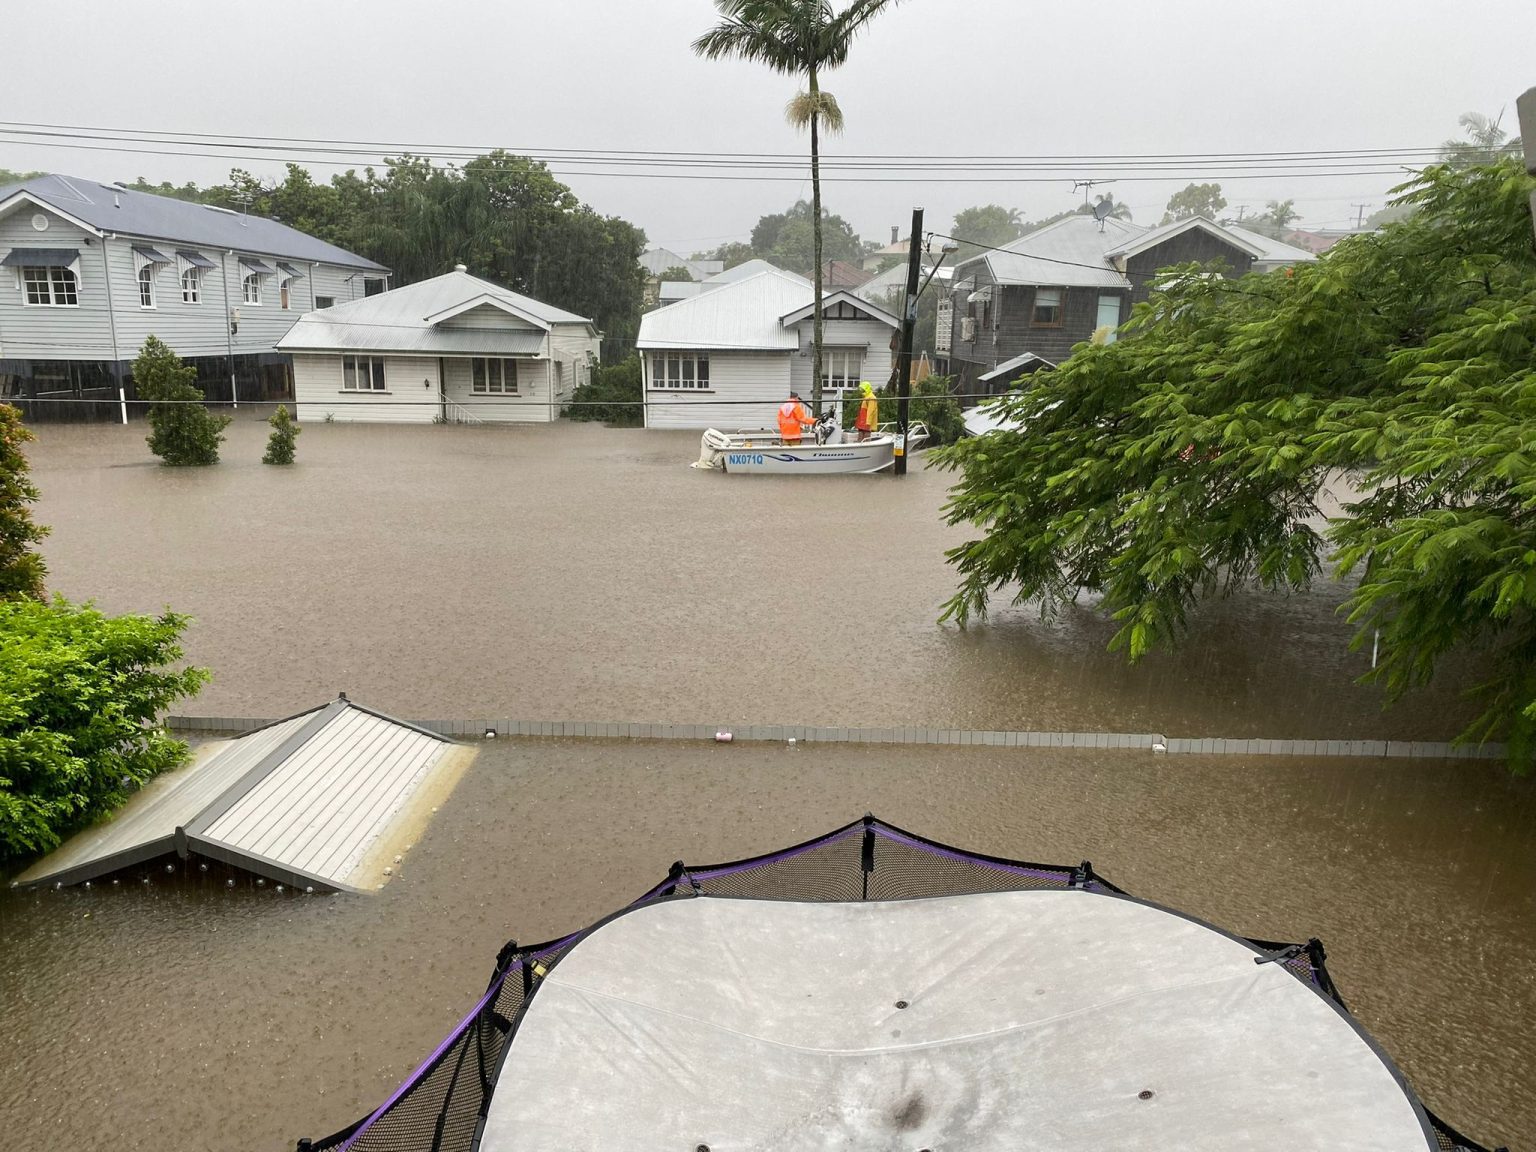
284 432
21 569
613 395
184 432
79 726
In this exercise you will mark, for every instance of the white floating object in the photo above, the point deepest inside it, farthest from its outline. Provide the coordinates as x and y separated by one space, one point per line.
723 737
1159 746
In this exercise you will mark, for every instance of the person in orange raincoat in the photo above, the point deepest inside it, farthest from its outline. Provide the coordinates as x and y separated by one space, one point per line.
794 417
868 419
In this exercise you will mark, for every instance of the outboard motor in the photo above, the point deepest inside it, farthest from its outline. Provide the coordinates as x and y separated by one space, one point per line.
826 428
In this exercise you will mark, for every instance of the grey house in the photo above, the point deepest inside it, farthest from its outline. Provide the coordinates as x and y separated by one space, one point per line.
1031 302
88 270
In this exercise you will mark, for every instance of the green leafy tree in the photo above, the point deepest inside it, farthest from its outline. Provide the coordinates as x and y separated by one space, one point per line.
280 444
788 239
985 226
797 38
1187 458
21 568
183 431
730 254
931 402
613 395
9 177
676 274
79 717
1195 200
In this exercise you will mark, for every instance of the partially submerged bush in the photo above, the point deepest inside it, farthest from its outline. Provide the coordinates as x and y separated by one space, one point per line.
184 432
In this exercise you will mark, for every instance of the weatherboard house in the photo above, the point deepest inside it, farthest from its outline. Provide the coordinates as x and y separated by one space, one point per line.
728 357
1028 303
89 270
452 349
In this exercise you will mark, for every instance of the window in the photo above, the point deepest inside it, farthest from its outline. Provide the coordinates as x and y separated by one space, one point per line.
362 373
51 286
840 367
1108 317
372 286
1047 313
675 370
147 286
252 284
493 376
191 287
325 301
282 293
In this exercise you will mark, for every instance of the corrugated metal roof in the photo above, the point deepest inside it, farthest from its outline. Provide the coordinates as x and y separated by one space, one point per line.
395 321
744 314
1273 251
302 801
1019 363
1070 252
109 208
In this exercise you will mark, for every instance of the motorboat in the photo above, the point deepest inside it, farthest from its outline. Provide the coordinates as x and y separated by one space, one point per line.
763 450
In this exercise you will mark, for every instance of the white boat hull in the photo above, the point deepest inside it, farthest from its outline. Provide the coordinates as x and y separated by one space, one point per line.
765 453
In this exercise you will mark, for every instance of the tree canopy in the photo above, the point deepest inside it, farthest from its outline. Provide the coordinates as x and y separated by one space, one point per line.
786 240
1195 200
1187 458
985 226
505 217
22 569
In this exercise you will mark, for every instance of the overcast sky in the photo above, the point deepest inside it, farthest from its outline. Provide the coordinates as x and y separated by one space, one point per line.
967 77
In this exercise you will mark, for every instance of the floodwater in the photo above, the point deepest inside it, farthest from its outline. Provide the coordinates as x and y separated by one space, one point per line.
583 573
186 1015
575 572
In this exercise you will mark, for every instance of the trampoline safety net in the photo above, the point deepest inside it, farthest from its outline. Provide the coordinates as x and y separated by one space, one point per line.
442 1106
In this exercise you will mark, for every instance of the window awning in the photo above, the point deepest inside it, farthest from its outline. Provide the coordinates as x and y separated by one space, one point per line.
251 264
289 271
189 261
42 258
145 257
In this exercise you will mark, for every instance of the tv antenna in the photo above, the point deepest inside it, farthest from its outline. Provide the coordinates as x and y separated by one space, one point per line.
1085 185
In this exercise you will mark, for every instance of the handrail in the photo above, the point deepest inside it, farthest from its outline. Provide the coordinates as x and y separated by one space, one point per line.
456 413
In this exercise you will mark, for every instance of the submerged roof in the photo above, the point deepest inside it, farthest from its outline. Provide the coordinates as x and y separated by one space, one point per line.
1072 1020
432 316
111 208
301 801
757 313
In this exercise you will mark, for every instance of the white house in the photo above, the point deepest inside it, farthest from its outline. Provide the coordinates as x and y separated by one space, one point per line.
454 348
729 357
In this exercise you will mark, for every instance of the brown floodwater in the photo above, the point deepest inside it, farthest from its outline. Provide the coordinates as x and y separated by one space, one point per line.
583 573
182 1014
575 572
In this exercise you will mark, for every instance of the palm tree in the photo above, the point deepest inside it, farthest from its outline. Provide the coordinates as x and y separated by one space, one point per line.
797 37
1485 143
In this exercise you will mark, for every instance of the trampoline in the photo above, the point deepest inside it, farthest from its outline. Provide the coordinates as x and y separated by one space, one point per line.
874 990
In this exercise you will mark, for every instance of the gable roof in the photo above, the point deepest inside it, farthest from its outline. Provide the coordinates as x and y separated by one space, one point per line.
754 314
410 319
657 260
110 208
1152 237
842 296
878 288
1273 251
1070 253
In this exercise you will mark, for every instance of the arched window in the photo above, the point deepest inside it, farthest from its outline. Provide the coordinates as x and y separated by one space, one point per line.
147 286
191 287
253 289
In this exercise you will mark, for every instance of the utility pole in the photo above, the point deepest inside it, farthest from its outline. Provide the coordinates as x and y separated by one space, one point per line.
908 324
1359 215
1526 108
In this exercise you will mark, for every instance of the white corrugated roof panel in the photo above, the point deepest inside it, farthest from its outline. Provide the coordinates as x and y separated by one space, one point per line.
395 321
1273 251
744 314
301 801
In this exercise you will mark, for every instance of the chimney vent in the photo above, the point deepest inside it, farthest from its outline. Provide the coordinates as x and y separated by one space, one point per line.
895 234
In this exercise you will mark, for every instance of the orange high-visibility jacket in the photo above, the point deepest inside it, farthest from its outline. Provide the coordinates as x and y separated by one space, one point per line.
792 416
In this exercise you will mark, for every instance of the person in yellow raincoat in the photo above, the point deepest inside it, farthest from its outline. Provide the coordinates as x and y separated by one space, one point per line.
867 422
